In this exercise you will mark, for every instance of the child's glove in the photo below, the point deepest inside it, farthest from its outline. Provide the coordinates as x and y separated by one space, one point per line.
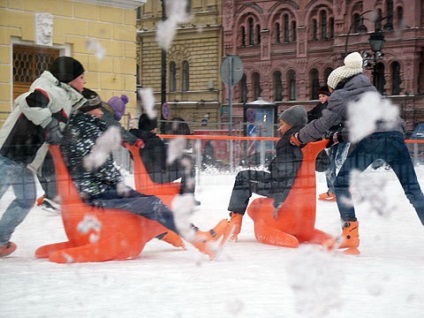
295 141
52 133
334 139
139 143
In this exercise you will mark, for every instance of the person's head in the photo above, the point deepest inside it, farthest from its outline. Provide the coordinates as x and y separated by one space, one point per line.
68 70
291 117
118 105
352 65
147 124
93 104
323 94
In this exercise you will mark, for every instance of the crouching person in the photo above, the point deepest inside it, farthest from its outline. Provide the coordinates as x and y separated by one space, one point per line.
275 183
102 184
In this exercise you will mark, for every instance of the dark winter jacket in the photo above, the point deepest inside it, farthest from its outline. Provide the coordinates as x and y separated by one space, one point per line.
154 152
78 140
336 112
22 134
316 112
285 166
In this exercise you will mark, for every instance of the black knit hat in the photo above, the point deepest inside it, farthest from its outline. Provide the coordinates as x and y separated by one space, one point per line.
147 124
93 100
66 69
324 90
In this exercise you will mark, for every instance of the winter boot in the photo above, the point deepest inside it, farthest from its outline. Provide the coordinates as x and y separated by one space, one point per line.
172 238
350 237
236 221
7 249
207 242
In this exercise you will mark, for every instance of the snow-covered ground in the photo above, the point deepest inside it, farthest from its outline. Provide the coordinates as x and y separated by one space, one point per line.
248 280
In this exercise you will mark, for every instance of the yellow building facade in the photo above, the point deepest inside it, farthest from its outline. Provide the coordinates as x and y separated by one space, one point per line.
100 34
193 83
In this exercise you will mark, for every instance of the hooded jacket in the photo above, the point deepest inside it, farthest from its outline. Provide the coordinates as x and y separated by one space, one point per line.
22 133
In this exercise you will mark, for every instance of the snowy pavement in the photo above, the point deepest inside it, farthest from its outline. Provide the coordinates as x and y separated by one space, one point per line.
248 280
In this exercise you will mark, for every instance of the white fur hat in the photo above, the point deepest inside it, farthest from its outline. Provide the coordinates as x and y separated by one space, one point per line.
352 66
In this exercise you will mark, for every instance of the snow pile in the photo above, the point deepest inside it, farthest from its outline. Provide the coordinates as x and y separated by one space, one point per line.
316 281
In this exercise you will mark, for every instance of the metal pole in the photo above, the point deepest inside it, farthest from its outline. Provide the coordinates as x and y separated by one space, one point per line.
163 76
230 97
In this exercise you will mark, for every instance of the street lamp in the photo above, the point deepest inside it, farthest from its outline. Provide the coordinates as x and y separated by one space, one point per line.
377 42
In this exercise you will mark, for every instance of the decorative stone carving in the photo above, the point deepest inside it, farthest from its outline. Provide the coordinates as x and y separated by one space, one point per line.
44 29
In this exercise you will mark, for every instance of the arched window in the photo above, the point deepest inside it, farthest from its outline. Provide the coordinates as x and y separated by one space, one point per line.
314 30
258 34
420 79
251 32
277 32
286 28
243 36
256 86
323 18
356 23
314 83
331 31
379 80
185 77
389 15
278 86
396 80
377 23
294 31
291 79
327 72
399 17
172 76
243 89
188 8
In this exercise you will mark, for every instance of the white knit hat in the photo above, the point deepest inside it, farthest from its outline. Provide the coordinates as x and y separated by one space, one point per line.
352 66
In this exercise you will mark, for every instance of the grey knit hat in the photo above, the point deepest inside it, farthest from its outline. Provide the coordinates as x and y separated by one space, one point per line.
352 66
295 115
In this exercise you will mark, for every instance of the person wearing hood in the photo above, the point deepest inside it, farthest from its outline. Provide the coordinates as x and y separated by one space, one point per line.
155 153
283 170
38 117
348 84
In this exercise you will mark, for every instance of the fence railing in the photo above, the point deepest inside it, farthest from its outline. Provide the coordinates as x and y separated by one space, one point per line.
228 154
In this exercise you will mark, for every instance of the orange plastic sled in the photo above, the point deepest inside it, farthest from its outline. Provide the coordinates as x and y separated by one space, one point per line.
95 234
296 221
144 183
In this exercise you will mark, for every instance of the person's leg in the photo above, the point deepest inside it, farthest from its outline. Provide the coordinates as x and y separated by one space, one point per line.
23 182
399 159
47 177
359 159
248 181
150 207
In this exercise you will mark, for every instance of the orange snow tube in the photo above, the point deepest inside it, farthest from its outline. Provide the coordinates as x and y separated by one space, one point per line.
296 221
95 234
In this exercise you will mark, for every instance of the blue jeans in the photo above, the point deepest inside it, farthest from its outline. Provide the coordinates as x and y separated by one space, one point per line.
390 147
22 181
148 206
337 154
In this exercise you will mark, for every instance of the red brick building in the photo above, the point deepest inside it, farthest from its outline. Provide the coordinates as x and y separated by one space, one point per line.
288 48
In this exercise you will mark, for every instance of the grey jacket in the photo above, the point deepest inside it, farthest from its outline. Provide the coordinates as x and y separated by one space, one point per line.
336 112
